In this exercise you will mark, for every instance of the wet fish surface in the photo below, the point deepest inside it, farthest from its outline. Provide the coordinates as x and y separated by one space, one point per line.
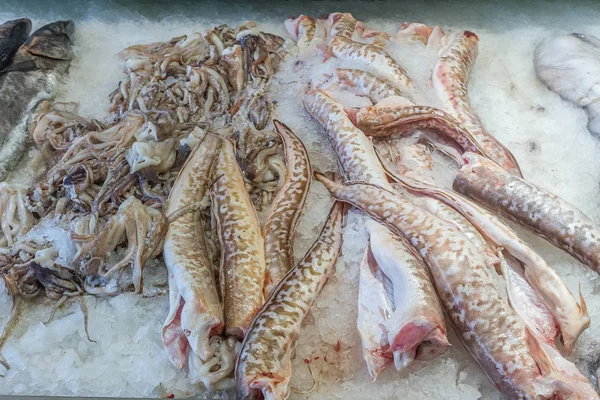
32 78
544 213
13 34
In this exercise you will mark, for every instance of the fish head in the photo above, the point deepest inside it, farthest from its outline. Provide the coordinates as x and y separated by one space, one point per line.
16 29
53 41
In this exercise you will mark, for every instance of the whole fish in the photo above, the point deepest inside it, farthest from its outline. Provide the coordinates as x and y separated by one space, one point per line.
519 364
362 83
278 231
243 265
450 79
12 35
570 66
195 313
538 210
301 29
32 77
372 57
264 365
382 323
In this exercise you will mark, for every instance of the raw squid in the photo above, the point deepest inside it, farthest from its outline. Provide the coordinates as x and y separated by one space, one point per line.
450 79
278 231
264 365
570 66
542 212
243 265
519 364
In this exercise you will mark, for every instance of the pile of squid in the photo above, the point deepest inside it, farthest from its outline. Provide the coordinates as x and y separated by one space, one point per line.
108 195
433 251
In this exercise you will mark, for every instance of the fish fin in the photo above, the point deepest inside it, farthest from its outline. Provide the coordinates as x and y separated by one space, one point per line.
560 378
23 66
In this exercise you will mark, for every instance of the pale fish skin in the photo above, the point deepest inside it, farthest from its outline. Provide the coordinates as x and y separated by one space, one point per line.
263 369
359 161
243 265
362 83
489 328
44 58
372 58
340 24
572 318
416 329
450 79
195 313
301 29
283 214
538 210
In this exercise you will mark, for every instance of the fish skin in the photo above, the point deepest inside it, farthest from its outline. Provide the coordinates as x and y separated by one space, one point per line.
450 78
538 210
372 57
21 91
264 364
571 317
484 321
243 265
195 312
278 231
13 34
362 83
359 161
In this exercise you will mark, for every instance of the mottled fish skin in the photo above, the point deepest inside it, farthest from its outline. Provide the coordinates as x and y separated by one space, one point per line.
301 29
448 214
12 35
264 365
363 83
572 318
340 25
243 265
384 121
544 213
450 80
373 58
22 91
354 150
278 231
359 161
195 311
486 324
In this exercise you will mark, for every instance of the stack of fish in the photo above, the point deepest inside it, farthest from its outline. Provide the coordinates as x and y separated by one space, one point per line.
438 237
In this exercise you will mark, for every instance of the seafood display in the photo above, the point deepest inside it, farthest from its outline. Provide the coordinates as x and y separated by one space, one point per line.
192 194
570 65
544 213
